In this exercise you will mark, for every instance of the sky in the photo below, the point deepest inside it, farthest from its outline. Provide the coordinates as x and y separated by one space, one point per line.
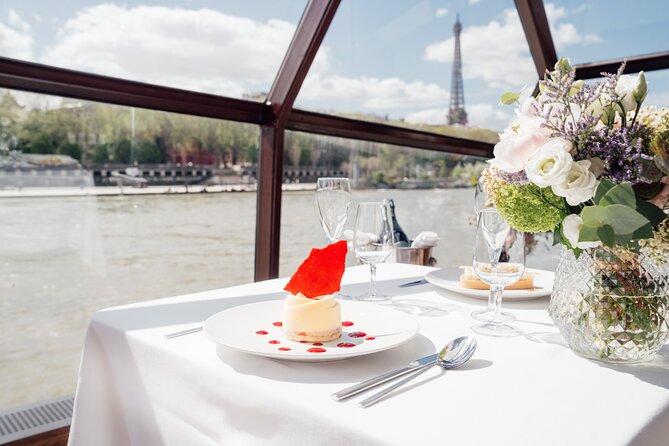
380 57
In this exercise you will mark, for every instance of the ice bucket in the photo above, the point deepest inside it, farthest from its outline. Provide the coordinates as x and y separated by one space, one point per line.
415 256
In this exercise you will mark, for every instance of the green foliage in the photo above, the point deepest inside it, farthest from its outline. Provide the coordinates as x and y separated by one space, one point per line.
101 154
509 98
618 216
147 152
72 150
122 151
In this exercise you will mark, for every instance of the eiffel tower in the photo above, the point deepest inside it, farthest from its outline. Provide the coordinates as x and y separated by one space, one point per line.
456 110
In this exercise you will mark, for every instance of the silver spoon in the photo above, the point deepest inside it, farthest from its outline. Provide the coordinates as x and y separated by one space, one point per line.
456 353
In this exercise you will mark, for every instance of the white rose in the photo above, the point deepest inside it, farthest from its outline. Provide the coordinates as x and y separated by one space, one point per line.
520 140
550 164
571 227
580 184
625 90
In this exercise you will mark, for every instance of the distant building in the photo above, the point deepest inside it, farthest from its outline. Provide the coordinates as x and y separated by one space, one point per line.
456 110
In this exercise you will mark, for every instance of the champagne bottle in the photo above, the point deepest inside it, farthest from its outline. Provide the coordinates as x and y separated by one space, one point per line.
399 236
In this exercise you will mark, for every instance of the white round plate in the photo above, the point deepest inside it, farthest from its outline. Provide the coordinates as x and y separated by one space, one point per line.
238 328
449 279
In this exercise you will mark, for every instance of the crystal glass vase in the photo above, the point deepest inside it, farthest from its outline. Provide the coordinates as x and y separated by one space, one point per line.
611 304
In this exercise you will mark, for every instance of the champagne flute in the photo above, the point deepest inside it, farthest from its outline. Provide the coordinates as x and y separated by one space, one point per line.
333 197
373 241
499 261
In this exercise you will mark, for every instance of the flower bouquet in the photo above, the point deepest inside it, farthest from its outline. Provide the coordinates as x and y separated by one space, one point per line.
588 163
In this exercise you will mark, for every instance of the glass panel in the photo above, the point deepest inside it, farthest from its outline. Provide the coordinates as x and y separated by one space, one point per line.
658 88
393 62
93 215
432 191
590 31
227 47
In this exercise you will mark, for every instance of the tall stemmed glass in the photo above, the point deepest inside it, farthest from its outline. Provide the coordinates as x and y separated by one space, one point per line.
481 202
499 261
373 241
333 197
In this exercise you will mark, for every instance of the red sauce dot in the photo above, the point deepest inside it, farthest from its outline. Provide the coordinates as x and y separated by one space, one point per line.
317 344
274 341
316 350
357 334
303 342
261 332
284 349
371 338
278 324
346 324
345 345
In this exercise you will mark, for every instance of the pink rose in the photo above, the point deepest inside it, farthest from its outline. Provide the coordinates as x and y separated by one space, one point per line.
518 142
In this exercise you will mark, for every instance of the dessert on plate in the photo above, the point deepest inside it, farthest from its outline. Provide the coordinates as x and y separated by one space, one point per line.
470 280
311 312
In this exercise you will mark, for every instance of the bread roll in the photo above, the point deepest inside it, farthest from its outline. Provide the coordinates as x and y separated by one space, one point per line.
470 280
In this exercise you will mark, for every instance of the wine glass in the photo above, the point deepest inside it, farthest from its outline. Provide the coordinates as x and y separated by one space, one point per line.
333 197
499 261
373 241
481 202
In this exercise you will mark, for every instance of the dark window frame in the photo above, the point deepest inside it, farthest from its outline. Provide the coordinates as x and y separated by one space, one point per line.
277 114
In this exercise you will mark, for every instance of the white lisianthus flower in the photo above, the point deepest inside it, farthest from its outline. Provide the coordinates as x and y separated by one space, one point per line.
550 164
596 108
580 184
571 227
625 89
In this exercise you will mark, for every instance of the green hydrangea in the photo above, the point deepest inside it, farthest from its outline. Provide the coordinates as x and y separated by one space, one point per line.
528 208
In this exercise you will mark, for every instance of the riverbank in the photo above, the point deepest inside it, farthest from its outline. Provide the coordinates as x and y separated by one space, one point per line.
37 192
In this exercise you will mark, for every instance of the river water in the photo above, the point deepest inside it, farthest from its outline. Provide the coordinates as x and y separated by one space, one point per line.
64 258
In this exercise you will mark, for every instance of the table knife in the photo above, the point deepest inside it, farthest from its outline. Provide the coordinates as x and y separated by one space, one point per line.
414 283
373 382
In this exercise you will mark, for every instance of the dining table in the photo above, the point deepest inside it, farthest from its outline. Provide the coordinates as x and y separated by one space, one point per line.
138 386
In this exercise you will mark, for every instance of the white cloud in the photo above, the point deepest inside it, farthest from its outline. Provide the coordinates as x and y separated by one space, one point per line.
371 92
201 49
441 12
478 115
489 116
565 34
16 39
473 2
432 116
497 52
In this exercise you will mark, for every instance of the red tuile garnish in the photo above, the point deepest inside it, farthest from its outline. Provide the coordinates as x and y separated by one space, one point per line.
320 273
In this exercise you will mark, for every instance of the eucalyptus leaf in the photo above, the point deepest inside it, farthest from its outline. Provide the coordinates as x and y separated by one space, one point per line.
606 235
588 234
619 194
622 219
645 231
509 98
653 213
602 189
557 235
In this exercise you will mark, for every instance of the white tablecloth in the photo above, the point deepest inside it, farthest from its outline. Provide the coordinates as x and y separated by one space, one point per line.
136 387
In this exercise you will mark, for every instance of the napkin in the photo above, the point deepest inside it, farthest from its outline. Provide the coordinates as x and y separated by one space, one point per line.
425 239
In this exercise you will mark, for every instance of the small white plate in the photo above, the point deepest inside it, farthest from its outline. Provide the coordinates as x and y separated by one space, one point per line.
449 279
242 328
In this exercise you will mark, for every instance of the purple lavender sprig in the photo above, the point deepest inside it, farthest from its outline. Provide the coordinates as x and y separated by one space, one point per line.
624 152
